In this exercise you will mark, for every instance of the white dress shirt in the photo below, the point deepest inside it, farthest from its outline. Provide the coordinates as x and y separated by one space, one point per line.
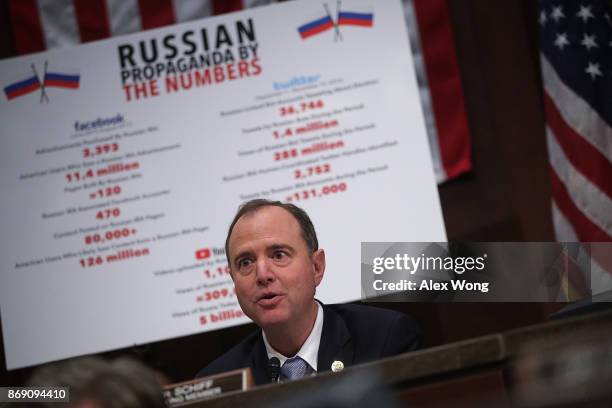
310 349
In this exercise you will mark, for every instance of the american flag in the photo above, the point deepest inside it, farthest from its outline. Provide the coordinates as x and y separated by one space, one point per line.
576 60
39 25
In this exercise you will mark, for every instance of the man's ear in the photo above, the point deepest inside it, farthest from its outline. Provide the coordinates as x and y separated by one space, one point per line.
318 265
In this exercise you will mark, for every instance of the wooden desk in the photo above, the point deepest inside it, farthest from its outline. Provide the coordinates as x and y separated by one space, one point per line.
468 370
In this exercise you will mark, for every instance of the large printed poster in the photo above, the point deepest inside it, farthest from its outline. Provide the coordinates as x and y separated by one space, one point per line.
124 161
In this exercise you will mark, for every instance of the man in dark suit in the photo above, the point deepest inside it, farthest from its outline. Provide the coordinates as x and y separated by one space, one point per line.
276 265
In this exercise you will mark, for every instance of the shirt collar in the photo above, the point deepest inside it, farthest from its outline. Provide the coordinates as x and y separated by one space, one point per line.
310 349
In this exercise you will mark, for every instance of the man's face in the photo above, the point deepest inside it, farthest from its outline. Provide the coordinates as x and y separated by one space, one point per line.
274 272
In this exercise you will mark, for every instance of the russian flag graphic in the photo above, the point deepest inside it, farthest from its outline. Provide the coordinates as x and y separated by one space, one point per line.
59 80
355 19
315 27
22 87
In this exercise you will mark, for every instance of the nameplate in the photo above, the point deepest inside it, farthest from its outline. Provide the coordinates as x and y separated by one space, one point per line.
187 392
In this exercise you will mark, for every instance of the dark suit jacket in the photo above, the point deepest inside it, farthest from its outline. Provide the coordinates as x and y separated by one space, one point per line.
353 334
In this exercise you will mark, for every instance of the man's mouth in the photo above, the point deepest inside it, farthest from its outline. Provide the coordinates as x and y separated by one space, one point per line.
269 299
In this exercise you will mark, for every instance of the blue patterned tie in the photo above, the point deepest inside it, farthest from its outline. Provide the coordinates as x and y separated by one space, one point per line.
294 368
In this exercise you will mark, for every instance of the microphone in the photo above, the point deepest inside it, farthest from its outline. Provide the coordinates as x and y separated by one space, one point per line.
273 369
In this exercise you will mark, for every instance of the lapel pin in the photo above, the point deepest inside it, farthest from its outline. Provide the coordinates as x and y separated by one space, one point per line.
337 366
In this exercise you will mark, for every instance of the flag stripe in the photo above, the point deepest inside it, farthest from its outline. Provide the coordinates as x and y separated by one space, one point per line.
124 16
424 91
27 29
257 3
59 23
54 76
316 30
155 13
21 84
356 16
446 90
317 25
22 91
577 113
356 19
585 228
21 88
563 228
588 160
61 84
591 201
226 6
92 18
186 10
355 22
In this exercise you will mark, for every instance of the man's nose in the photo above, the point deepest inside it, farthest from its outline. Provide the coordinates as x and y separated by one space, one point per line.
265 275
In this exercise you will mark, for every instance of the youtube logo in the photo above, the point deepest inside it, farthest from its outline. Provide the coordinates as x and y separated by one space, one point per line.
202 253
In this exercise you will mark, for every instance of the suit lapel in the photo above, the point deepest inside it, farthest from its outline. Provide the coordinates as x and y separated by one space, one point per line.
335 343
259 361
